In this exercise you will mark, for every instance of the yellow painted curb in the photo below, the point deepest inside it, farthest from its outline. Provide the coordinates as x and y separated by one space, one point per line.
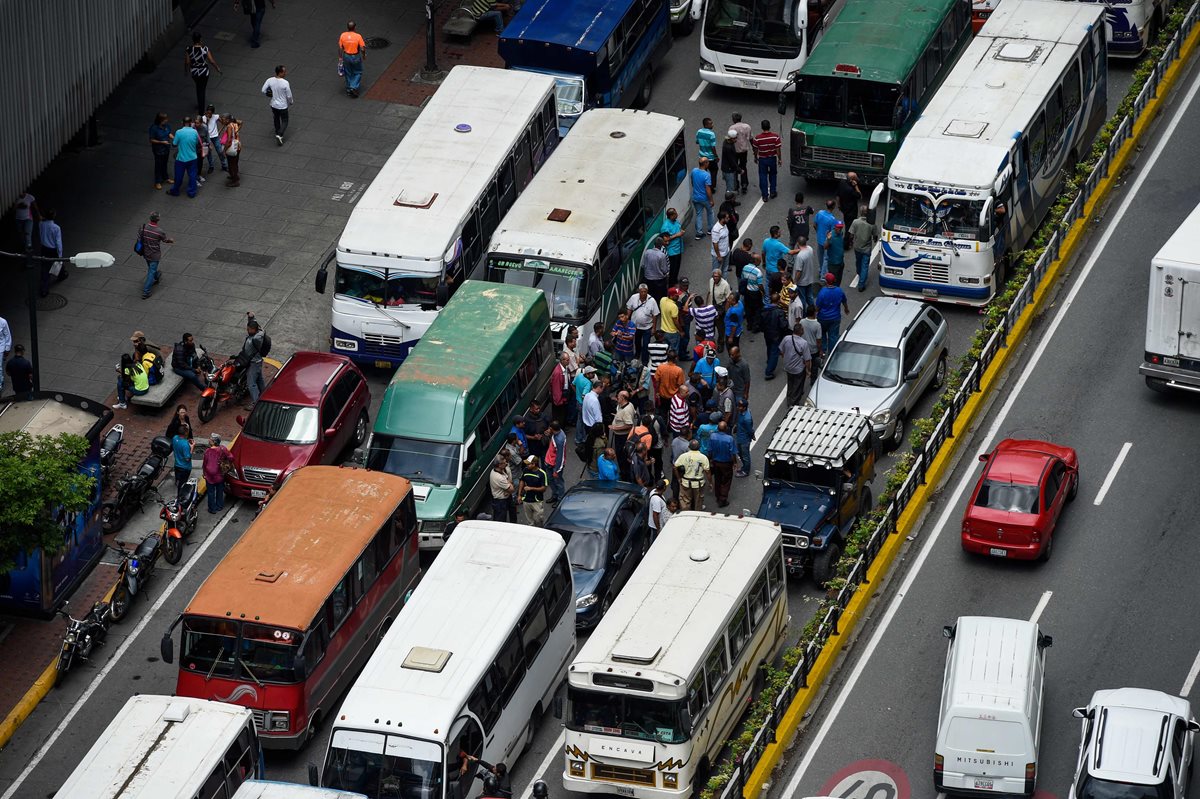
856 609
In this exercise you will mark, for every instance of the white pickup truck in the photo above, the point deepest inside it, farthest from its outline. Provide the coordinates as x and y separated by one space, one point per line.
1172 359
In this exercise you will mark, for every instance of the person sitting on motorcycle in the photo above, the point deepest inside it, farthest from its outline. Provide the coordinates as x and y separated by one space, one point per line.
185 362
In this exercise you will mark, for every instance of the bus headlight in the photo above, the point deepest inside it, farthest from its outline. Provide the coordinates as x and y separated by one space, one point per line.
576 768
877 160
707 66
585 601
278 721
670 780
345 344
970 280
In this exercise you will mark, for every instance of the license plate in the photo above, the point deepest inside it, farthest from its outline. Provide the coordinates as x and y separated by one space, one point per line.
929 292
383 364
983 784
749 84
624 790
258 493
1170 361
840 175
1000 553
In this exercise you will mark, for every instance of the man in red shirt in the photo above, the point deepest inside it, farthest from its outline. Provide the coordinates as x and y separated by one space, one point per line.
767 146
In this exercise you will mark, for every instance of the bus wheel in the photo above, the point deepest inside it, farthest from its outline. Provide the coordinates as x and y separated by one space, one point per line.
643 98
314 726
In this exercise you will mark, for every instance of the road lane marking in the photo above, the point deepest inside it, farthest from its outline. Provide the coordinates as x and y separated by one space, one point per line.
1113 222
699 91
750 219
555 751
1112 473
1041 605
1191 678
116 658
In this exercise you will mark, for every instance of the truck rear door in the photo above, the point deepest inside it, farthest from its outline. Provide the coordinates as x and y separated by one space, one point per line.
1189 320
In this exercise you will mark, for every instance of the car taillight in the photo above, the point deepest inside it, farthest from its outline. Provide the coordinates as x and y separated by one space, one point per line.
938 765
1030 777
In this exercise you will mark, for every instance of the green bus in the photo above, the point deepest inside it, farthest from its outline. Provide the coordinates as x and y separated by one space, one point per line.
867 80
449 406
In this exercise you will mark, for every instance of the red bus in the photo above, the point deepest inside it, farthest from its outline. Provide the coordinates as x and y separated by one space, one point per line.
296 607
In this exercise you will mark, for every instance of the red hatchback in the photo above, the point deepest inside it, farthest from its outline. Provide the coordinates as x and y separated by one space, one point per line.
313 411
1018 499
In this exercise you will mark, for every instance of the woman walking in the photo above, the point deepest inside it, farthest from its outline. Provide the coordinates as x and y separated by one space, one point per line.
160 146
196 60
231 139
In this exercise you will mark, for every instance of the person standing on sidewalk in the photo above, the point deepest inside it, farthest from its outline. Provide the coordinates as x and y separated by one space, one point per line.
212 130
152 238
50 237
280 92
187 158
215 457
256 10
20 370
767 146
197 60
742 146
26 215
182 446
353 51
160 146
232 142
252 349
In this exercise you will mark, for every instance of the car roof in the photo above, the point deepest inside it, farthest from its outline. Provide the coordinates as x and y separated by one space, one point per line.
883 321
591 504
1133 725
303 378
1023 460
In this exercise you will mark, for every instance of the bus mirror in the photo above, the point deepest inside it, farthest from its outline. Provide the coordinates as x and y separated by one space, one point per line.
876 193
985 212
322 279
312 773
166 648
1002 180
300 667
358 457
558 707
697 9
783 103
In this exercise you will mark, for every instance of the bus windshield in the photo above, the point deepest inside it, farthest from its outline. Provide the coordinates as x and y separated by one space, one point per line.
639 717
381 766
422 461
565 285
245 651
282 424
950 217
851 103
757 22
387 287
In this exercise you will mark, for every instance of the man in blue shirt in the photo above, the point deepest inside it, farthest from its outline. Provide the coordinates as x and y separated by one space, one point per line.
187 157
50 236
831 301
735 315
606 465
583 387
835 252
774 250
721 454
745 435
705 432
672 233
702 184
823 222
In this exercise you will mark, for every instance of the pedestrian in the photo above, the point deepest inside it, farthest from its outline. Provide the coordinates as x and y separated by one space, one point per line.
556 459
501 487
152 237
160 147
560 388
797 362
692 471
26 213
668 326
722 452
706 143
643 315
796 309
724 396
729 161
641 468
531 492
702 198
720 242
835 252
823 223
788 290
491 11
606 465
216 458
671 234
656 268
739 374
595 341
212 131
187 158
831 303
574 364
812 334
582 385
204 150
658 515
774 328
686 301
181 445
752 290
849 197
256 10
231 140
767 146
537 427
252 351
198 62
50 238
719 291
799 217
735 319
730 206
352 51
774 251
805 271
742 147
744 437
863 235
178 420
6 348
18 368
668 377
280 91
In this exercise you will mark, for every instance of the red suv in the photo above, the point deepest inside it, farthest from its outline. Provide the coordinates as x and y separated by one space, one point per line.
313 411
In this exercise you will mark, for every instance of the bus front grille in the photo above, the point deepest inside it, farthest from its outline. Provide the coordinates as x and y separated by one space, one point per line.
842 157
260 718
636 776
733 69
931 273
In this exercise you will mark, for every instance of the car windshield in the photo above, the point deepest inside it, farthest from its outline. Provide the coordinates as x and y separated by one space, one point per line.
760 22
951 217
639 717
851 102
565 285
858 364
364 763
586 550
282 424
1093 788
1009 497
387 287
228 648
433 462
568 95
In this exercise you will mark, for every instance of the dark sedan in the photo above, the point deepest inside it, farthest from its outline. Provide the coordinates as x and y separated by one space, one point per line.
604 524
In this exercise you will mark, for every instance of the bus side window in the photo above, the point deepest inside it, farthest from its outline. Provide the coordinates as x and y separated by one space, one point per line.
631 227
550 122
697 697
239 761
1054 119
775 575
715 667
654 193
534 629
739 632
510 668
367 569
1088 57
523 168
337 607
489 213
929 64
506 188
758 599
484 701
1072 94
214 786
1037 144
472 242
556 589
609 260
677 160
314 646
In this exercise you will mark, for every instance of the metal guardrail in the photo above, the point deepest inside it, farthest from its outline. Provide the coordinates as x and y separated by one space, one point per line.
944 428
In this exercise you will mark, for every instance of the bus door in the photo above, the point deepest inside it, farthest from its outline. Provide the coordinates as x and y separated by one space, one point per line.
466 737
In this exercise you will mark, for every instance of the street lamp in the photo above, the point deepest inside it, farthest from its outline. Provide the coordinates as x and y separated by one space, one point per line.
84 260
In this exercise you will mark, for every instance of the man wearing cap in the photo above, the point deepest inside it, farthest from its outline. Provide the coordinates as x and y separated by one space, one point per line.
706 367
656 268
835 251
692 470
724 395
752 287
721 453
705 431
583 387
214 477
831 303
671 232
152 238
531 492
643 315
744 437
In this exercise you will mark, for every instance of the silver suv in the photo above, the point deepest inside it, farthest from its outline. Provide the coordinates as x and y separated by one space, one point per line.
1136 744
892 352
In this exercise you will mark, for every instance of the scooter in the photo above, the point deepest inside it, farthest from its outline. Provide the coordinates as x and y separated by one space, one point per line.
179 515
109 448
135 570
133 489
226 384
83 635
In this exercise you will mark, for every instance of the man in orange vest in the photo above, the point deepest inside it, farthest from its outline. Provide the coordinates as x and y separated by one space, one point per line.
353 52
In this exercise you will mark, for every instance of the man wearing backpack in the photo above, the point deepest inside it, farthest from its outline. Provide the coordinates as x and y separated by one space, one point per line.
256 346
149 245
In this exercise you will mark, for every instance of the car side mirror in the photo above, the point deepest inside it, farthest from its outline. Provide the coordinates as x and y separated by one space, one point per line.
557 706
241 420
312 773
913 375
876 193
1193 726
1045 642
948 632
166 648
983 457
1080 713
330 432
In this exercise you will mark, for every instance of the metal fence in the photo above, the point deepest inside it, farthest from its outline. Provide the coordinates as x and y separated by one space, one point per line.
60 60
944 428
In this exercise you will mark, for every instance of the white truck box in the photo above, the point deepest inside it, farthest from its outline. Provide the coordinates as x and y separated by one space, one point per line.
1172 358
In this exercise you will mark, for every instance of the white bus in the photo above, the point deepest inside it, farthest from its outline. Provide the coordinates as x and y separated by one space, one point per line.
657 689
757 44
982 166
166 747
262 789
420 228
469 666
579 230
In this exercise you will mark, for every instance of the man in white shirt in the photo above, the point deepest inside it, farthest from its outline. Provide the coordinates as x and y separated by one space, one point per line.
643 313
659 514
720 242
280 92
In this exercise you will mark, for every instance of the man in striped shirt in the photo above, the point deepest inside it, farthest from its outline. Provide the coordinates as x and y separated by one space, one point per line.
767 146
704 313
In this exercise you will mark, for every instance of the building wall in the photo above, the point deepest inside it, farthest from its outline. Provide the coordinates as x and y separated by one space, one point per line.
59 60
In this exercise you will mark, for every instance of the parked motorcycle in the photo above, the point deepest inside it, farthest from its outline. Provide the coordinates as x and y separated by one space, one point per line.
133 489
226 384
109 448
179 515
83 635
135 570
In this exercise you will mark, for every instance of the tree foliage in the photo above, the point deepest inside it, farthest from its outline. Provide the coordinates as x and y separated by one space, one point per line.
40 481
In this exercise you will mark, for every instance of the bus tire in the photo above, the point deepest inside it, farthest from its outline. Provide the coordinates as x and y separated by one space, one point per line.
700 780
643 97
314 726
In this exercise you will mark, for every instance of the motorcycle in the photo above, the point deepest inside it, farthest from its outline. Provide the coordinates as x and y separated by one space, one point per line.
179 516
109 448
83 635
135 570
226 384
133 489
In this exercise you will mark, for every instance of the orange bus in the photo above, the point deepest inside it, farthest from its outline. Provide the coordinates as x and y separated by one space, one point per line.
296 607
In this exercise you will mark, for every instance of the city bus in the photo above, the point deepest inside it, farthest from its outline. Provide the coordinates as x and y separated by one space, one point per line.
601 53
263 789
40 580
760 45
981 10
656 690
1131 25
169 747
287 618
469 667
982 167
867 81
448 408
579 230
420 228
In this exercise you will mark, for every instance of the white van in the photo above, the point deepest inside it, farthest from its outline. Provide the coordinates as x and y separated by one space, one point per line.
990 720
